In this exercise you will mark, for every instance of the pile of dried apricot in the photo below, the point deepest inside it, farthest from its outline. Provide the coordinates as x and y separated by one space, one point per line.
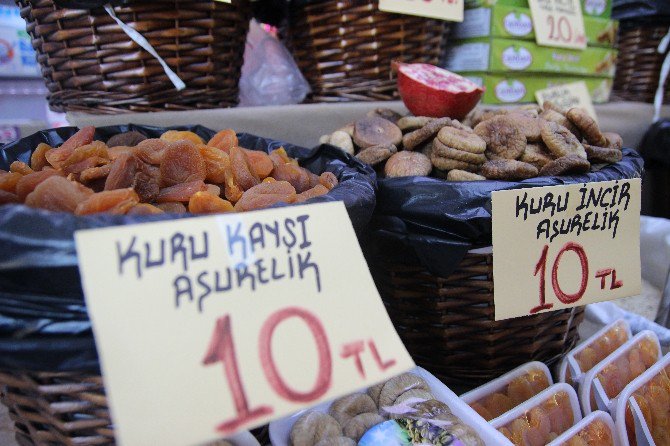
542 423
176 173
597 433
654 401
598 350
500 144
519 390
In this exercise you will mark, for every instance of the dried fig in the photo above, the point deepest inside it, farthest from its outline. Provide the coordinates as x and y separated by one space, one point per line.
373 131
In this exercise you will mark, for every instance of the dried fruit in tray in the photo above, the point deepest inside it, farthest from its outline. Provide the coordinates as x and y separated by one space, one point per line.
402 409
654 401
140 176
599 349
519 390
597 433
621 371
542 423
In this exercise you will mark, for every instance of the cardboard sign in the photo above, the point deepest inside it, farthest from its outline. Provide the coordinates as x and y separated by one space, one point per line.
208 326
451 10
561 246
558 23
566 96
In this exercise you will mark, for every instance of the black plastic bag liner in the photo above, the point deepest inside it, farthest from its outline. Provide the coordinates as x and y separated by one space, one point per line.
44 324
657 10
438 222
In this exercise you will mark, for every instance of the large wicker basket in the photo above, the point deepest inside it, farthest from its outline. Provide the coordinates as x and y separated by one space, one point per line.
448 325
639 63
345 47
90 64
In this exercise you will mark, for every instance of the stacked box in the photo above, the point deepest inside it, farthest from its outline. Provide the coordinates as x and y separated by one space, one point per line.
495 45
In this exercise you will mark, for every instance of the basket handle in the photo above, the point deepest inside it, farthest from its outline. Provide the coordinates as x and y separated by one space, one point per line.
144 43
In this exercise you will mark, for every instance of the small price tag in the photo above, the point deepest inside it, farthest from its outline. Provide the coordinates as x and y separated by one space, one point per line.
212 325
451 10
562 246
558 23
566 96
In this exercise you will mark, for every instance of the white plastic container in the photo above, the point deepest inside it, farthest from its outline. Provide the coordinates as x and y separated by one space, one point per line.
586 421
243 438
570 362
590 383
500 384
538 400
627 393
280 430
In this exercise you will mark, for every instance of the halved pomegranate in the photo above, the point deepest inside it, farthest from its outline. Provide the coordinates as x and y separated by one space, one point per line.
428 90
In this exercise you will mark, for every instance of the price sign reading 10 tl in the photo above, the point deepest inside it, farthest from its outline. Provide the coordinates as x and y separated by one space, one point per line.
213 325
562 246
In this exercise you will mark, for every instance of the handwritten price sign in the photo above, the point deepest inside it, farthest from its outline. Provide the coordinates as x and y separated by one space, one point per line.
451 10
562 246
213 325
558 23
566 96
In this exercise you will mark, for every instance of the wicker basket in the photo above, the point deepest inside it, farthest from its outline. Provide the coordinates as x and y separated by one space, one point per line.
639 63
345 47
64 409
89 63
448 326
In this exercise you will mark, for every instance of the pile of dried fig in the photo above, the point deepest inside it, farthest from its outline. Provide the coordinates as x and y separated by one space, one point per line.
175 173
351 416
499 144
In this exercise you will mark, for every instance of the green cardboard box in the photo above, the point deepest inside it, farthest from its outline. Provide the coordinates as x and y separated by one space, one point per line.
590 8
515 22
508 88
489 54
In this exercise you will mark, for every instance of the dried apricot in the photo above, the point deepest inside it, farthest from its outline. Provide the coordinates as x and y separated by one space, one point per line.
94 173
145 209
81 138
329 180
182 163
20 167
279 156
244 176
28 183
296 175
146 187
38 158
179 135
88 163
122 172
213 189
9 181
8 197
130 139
151 150
224 140
216 162
57 194
206 203
118 201
316 191
181 192
94 149
115 152
172 207
260 163
265 195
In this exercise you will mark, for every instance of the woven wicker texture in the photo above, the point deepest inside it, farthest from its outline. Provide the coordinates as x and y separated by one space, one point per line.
639 63
345 48
64 409
448 325
89 63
